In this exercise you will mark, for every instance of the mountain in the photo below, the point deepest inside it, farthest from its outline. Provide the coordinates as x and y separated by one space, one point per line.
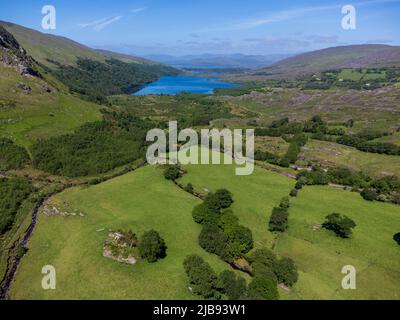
91 73
354 56
218 60
44 47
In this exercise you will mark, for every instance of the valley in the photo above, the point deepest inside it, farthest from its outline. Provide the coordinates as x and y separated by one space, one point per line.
73 174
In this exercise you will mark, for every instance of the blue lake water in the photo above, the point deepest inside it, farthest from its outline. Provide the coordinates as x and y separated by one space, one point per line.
177 84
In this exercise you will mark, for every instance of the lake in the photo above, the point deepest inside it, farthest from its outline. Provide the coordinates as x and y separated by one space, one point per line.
177 84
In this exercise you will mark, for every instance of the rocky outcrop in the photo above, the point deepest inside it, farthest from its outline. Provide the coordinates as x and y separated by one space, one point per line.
12 54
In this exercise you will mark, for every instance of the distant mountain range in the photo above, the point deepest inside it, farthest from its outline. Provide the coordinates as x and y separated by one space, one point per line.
219 60
353 56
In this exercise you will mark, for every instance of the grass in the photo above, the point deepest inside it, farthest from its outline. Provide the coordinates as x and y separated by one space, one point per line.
254 195
333 154
274 145
141 200
28 117
320 255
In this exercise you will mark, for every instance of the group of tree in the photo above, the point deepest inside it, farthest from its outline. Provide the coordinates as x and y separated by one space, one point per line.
13 192
365 143
267 272
151 246
96 80
385 189
12 156
340 224
94 148
279 217
221 233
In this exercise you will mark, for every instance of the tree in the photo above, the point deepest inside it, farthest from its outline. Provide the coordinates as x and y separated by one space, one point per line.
340 224
233 286
202 277
214 240
241 241
262 288
278 220
224 197
286 271
263 257
204 215
396 238
151 246
221 199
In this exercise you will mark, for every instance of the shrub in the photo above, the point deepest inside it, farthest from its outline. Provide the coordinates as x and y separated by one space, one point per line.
172 172
294 193
340 224
278 220
285 203
369 194
151 246
189 188
202 277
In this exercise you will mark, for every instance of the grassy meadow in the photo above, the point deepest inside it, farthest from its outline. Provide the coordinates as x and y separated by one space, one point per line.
320 255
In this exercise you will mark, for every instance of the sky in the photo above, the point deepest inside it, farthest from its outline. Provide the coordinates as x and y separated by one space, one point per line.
180 27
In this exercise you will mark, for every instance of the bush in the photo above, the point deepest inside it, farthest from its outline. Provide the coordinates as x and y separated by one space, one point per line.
294 193
396 238
286 271
233 286
340 224
278 220
240 241
202 277
172 172
285 203
189 188
151 246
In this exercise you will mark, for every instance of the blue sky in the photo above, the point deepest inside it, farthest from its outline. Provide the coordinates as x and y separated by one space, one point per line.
212 26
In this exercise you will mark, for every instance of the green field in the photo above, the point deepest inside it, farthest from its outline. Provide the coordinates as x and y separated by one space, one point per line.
28 117
140 200
320 255
332 154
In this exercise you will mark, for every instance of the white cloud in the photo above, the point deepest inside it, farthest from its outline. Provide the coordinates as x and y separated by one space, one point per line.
289 14
102 25
137 10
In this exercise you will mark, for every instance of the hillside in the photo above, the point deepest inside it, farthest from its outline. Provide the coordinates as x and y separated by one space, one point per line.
88 72
44 47
354 56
